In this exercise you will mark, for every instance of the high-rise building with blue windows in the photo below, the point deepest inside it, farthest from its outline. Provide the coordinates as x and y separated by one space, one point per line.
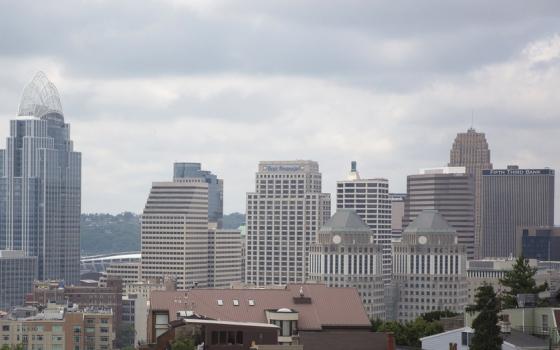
40 185
215 188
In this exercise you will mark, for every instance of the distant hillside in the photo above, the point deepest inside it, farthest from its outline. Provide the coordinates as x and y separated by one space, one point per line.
233 220
106 233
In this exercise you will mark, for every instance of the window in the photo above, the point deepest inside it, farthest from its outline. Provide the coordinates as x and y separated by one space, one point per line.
239 337
231 338
466 338
5 328
545 323
215 338
223 336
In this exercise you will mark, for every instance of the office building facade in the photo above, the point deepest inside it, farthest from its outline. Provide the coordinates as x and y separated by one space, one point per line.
174 232
345 255
224 256
397 214
283 217
429 268
40 185
450 191
511 198
17 273
538 242
470 150
58 327
370 199
215 188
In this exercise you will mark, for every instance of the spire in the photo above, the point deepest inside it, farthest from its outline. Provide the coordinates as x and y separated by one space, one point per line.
40 97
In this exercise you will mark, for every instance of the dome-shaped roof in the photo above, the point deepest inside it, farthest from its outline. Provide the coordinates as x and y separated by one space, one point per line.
429 221
345 221
284 309
40 97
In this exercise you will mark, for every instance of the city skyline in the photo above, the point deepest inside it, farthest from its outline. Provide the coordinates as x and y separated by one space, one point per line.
213 101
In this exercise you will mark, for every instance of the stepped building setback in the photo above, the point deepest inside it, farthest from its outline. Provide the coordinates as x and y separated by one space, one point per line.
470 150
40 185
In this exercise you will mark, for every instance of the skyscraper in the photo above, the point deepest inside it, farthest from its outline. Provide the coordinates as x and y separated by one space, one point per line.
397 214
224 258
283 217
448 190
471 150
429 268
215 188
40 185
174 232
370 199
345 255
512 198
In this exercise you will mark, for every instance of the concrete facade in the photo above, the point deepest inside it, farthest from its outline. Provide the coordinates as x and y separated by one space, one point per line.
283 217
127 272
370 200
450 191
429 268
58 328
346 255
174 232
470 150
225 258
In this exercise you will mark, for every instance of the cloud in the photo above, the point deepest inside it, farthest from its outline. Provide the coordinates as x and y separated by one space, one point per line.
231 83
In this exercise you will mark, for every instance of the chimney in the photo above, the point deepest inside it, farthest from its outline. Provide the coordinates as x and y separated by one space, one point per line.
391 341
505 327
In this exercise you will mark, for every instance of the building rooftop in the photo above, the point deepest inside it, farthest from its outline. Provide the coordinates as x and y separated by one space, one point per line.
524 341
40 97
345 220
228 323
429 221
344 340
320 306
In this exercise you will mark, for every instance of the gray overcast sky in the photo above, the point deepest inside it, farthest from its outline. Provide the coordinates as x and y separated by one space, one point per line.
229 83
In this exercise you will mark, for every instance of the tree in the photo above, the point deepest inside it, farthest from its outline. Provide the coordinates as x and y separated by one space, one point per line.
409 333
375 324
182 344
486 330
520 280
125 335
437 315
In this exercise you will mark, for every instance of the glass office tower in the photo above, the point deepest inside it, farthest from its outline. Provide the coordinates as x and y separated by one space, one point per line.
40 185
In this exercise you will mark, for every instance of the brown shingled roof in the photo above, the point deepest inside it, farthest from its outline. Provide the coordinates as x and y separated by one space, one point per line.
329 307
346 340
